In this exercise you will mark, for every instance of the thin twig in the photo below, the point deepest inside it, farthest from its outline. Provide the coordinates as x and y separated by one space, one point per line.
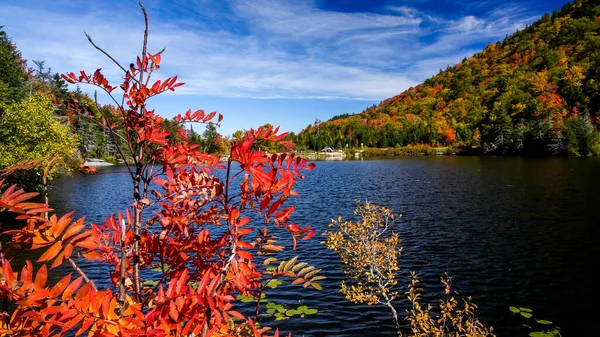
104 52
85 277
145 44
151 67
123 276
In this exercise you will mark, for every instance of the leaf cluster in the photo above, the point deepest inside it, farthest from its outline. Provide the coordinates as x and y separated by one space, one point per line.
369 251
185 248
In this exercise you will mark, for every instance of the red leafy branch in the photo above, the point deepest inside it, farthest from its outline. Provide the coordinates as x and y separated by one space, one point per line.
175 271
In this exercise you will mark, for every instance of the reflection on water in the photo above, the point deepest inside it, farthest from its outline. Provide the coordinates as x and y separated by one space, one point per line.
512 231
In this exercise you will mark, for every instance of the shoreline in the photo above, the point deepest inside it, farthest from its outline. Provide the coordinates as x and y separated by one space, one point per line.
97 162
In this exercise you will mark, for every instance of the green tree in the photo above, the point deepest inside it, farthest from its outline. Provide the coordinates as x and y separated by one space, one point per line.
44 80
13 74
29 131
579 135
238 134
212 141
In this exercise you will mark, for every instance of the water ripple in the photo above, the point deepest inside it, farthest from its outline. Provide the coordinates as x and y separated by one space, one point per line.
512 231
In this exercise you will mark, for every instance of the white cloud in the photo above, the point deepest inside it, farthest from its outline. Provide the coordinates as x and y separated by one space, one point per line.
282 49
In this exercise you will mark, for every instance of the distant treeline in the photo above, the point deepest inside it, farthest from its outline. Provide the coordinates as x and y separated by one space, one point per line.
536 92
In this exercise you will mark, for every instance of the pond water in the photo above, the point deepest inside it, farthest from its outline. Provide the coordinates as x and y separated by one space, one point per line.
511 231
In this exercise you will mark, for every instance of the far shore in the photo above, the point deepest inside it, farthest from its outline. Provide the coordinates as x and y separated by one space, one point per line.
97 162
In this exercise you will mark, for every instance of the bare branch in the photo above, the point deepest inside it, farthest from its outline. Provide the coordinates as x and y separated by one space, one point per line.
145 43
85 277
104 52
123 276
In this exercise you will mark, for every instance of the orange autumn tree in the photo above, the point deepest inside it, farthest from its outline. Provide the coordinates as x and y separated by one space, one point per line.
178 256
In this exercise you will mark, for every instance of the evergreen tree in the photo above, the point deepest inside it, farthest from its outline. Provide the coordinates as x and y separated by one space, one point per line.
13 71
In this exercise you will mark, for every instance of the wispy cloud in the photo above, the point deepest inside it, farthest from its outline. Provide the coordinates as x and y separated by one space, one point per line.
259 48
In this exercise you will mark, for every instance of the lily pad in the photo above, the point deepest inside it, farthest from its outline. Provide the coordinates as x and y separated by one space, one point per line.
514 310
274 283
526 314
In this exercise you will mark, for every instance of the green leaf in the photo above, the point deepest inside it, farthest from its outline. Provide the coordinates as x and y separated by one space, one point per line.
291 312
539 334
554 333
543 321
311 311
514 310
316 285
269 261
246 298
526 314
150 283
273 284
525 309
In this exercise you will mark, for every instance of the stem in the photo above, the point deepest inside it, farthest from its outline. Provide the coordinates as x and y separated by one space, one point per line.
104 52
5 299
145 43
394 317
85 277
45 190
262 289
114 135
139 167
123 267
232 232
137 226
227 179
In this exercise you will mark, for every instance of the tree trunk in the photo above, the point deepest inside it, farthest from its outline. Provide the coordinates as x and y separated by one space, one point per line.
5 299
45 191
137 228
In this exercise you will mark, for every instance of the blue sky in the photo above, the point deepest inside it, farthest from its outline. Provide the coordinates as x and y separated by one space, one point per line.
284 62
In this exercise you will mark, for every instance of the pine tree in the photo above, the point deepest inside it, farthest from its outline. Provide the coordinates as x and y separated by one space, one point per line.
13 71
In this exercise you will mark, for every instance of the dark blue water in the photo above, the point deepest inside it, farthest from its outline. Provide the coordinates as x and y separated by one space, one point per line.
511 231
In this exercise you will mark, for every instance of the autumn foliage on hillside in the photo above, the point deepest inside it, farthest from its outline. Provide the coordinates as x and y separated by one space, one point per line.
536 92
179 255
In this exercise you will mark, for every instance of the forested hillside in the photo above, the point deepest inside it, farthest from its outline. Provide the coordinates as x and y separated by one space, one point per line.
536 92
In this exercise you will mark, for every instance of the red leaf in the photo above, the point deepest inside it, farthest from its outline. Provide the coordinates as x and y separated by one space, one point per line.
244 254
68 250
70 290
73 230
204 281
58 261
236 314
7 272
244 231
67 78
27 272
266 200
41 277
209 116
309 235
51 252
60 286
275 206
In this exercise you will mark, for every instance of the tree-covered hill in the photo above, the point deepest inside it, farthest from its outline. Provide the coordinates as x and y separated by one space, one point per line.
536 92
